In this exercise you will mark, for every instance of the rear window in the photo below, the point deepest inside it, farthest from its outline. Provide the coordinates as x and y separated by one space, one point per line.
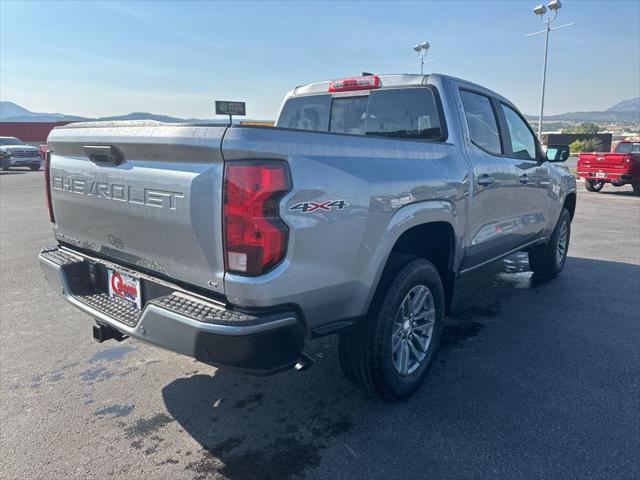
628 148
400 113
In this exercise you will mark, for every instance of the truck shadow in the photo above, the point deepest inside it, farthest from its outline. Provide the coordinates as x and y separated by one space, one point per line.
282 427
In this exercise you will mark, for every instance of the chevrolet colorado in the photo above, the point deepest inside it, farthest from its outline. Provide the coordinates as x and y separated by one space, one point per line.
236 245
620 167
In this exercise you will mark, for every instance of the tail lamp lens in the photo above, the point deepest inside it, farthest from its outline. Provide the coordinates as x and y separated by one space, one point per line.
255 237
367 82
47 184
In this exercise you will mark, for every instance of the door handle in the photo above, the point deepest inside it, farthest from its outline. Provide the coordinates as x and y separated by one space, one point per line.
485 180
103 154
523 178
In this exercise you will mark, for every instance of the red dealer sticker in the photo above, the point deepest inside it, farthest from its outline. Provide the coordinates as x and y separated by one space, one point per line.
124 286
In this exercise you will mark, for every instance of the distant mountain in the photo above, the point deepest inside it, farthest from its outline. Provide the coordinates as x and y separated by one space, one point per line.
11 112
10 109
627 111
597 117
632 105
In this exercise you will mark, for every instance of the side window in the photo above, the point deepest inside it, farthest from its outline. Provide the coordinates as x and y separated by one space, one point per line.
523 143
306 113
483 127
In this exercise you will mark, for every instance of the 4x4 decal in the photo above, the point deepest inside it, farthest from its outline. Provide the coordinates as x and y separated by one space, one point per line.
308 207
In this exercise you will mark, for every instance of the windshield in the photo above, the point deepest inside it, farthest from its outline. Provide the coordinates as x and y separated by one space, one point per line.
10 141
628 147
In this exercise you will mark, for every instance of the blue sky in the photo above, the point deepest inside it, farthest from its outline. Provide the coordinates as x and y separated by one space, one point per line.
104 58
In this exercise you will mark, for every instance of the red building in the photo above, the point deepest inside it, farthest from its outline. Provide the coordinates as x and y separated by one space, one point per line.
29 132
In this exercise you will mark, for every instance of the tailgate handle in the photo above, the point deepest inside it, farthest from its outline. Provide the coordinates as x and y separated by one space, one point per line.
104 154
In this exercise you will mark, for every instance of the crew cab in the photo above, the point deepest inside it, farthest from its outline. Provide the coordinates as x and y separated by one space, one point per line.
621 167
237 245
15 153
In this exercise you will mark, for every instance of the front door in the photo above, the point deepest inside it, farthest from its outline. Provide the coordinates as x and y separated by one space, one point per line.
531 196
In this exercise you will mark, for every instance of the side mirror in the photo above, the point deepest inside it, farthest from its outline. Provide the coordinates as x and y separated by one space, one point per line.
557 153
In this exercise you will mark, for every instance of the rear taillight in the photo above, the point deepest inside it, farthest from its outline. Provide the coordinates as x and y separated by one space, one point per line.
366 82
255 237
47 183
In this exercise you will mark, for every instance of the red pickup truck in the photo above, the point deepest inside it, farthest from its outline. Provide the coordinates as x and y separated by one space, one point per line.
621 167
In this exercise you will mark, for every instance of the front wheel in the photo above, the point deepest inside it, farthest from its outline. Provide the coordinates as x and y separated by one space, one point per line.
391 351
636 188
593 185
34 167
548 260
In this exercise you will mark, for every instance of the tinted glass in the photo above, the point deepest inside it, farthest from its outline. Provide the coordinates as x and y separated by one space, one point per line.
483 127
628 148
306 113
10 141
523 143
406 113
349 115
401 113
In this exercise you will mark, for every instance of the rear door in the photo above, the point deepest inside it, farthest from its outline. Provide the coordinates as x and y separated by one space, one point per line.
491 221
531 193
155 206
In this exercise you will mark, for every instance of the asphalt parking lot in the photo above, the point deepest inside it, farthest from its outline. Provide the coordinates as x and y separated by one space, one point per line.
534 380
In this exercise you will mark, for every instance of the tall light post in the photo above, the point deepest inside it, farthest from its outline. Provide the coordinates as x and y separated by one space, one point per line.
421 49
541 11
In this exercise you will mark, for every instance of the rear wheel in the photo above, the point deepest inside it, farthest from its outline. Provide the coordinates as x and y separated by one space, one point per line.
636 188
34 167
390 353
593 185
548 260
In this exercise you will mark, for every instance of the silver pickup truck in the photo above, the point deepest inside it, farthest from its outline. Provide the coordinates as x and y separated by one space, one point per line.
236 245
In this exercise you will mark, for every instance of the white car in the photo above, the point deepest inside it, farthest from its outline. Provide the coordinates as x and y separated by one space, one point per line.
15 153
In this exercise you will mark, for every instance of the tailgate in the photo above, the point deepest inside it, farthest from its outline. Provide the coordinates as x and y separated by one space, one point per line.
602 160
157 208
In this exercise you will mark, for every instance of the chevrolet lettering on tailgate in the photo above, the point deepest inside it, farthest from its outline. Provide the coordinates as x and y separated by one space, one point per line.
114 191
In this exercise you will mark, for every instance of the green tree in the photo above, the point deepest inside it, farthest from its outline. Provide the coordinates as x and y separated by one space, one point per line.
590 145
586 127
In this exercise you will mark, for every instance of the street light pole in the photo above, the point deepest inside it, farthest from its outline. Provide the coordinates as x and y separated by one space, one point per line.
541 10
421 49
544 77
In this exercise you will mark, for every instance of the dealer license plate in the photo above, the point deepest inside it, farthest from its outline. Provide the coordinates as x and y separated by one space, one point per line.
125 287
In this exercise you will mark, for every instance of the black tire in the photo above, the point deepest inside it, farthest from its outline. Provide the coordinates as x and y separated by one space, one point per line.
544 260
593 185
636 188
6 169
366 354
34 167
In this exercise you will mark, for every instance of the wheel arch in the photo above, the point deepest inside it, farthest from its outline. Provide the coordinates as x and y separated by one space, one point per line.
429 230
570 203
